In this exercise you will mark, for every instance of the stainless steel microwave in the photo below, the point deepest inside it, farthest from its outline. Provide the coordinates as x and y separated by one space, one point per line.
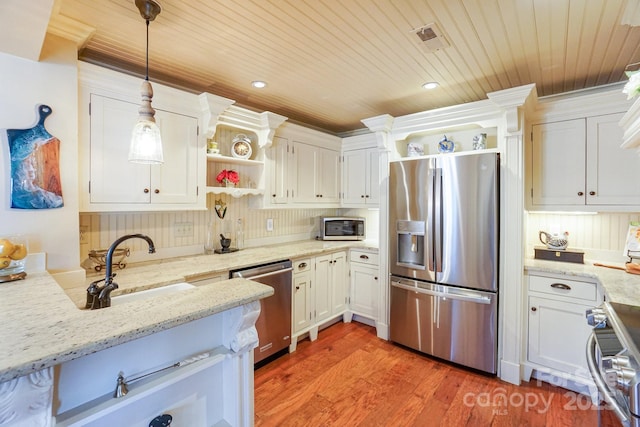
342 228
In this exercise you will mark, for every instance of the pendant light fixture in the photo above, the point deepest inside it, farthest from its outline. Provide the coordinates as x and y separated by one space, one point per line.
146 142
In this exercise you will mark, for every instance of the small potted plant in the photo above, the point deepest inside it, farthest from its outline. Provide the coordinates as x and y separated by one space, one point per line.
228 178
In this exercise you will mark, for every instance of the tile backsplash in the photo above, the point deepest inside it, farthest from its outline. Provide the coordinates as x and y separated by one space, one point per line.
601 236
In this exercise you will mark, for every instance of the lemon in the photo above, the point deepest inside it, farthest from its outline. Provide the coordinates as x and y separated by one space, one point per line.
4 262
19 252
6 248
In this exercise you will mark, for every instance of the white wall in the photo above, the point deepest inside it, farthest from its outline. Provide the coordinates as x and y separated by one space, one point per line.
24 85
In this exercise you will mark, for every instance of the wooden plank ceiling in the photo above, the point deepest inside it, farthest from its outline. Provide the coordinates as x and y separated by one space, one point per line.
331 63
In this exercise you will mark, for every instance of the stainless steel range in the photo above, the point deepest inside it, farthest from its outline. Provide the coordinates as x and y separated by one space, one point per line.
613 358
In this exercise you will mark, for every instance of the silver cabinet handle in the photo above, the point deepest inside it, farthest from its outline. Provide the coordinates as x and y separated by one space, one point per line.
561 286
271 273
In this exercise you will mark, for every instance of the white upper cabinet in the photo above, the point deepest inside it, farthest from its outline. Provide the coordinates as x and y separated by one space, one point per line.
280 171
318 174
360 171
575 161
360 184
579 163
613 173
558 163
114 180
302 169
108 181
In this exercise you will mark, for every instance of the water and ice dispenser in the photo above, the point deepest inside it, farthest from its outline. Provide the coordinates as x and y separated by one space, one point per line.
410 236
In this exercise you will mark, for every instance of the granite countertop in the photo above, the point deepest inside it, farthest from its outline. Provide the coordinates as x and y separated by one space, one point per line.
619 286
43 325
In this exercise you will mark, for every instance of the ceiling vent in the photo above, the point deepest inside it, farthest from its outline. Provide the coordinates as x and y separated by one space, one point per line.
432 38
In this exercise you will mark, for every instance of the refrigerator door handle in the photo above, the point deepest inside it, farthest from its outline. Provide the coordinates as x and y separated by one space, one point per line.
430 221
437 222
451 294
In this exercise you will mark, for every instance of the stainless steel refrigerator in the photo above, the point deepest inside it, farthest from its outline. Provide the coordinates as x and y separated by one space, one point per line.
444 245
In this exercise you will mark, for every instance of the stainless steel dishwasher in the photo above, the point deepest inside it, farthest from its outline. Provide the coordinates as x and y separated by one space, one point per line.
274 322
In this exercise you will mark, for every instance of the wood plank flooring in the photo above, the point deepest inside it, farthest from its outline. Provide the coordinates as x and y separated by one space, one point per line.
349 377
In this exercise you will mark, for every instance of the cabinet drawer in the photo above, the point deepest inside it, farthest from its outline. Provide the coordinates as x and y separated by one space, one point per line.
561 287
301 265
364 257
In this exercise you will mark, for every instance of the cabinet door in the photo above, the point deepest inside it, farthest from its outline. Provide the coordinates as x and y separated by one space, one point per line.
373 170
113 178
328 176
364 288
306 165
558 335
278 156
613 173
355 177
339 283
302 301
558 163
176 180
322 289
317 174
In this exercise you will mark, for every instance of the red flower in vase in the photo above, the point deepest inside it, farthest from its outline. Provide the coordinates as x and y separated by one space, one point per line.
228 176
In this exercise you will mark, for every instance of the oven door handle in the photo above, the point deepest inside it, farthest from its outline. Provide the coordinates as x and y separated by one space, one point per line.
600 384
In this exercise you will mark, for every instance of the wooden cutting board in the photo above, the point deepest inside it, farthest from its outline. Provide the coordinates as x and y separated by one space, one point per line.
630 267
35 166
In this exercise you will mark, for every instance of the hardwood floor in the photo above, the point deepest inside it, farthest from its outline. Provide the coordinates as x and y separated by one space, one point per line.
349 377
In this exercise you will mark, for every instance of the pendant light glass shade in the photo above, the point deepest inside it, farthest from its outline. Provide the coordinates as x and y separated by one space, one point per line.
146 142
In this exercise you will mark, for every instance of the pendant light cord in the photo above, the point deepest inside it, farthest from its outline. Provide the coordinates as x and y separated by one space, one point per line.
146 77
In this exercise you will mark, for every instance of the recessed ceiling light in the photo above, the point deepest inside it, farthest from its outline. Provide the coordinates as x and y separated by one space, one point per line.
259 84
430 85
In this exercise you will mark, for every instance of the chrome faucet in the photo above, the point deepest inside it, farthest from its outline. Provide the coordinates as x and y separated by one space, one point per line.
100 296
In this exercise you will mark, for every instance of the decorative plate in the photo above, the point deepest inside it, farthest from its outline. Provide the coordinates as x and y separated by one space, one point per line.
446 145
241 147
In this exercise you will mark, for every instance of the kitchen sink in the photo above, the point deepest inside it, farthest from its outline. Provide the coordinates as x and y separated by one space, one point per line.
150 293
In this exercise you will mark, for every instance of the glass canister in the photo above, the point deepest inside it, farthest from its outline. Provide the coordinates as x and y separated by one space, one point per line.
13 253
240 233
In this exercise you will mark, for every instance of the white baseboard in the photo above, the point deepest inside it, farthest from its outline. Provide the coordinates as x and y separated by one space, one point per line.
510 372
382 330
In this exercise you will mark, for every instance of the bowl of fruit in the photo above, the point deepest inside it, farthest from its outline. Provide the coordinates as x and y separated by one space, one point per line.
13 251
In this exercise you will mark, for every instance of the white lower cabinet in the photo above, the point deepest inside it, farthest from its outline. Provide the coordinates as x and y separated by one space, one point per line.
320 293
363 295
558 330
303 302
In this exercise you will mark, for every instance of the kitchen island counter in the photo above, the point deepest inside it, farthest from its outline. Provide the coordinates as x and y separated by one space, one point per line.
43 325
619 286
